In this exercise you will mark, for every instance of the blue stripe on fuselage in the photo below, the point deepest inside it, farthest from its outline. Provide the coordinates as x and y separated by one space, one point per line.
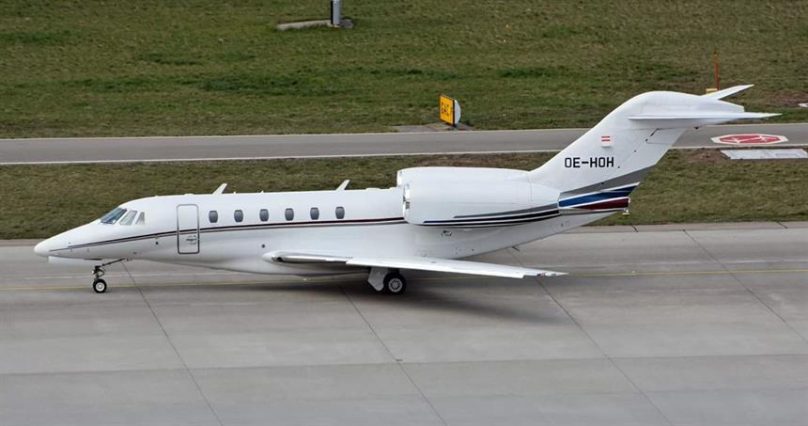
600 196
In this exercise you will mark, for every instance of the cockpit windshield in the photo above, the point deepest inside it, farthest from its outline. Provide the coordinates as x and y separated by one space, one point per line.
128 218
113 216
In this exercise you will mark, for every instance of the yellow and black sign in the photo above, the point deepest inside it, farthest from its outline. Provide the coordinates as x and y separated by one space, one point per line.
449 110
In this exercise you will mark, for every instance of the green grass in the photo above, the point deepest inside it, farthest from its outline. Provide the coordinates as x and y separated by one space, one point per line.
687 186
90 67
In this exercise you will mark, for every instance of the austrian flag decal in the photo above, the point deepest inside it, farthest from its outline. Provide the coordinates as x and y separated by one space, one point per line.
605 140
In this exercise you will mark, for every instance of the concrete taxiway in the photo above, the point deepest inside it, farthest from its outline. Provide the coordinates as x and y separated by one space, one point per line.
201 148
671 325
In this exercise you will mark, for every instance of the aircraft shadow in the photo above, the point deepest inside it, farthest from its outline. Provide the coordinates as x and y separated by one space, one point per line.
454 299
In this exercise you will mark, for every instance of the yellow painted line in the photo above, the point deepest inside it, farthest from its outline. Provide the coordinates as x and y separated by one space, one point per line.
176 284
438 278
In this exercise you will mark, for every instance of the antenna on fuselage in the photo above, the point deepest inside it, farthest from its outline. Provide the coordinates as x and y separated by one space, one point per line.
220 189
343 185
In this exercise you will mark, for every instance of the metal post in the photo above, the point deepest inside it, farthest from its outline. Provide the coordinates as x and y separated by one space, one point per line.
336 13
716 70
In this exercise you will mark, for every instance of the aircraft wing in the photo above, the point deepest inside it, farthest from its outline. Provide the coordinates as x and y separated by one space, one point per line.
413 263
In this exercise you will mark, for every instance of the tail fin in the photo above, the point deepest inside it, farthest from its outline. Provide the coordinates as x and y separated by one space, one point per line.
605 164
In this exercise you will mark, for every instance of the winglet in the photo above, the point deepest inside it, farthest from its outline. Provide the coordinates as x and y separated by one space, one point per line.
724 93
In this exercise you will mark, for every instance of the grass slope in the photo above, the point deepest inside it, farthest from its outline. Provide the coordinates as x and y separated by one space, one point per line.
148 67
687 186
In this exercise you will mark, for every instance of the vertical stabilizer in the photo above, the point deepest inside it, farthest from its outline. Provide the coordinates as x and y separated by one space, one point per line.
600 169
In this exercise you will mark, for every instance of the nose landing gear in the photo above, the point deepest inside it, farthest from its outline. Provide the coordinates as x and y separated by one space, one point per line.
99 285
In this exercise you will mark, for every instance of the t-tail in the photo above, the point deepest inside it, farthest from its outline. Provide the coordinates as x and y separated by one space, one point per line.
599 170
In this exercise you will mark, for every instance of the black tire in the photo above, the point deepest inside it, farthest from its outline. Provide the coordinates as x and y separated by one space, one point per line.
99 286
394 283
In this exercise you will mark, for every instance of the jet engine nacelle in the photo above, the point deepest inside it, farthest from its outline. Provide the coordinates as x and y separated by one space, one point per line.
477 203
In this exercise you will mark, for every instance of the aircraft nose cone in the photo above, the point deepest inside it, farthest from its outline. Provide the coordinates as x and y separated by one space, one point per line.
44 247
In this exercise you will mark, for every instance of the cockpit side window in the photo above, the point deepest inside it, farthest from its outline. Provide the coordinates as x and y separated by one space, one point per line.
141 219
113 216
128 218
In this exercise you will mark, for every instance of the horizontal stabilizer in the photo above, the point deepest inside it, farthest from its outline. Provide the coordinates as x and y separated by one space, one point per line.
414 263
724 93
702 115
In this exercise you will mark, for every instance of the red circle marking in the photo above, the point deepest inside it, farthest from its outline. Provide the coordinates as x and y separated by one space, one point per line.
749 139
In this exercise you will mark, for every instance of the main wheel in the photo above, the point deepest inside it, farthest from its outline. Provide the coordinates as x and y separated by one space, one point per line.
99 285
394 283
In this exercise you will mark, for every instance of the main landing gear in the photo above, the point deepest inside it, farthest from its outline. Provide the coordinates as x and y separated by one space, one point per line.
389 281
99 285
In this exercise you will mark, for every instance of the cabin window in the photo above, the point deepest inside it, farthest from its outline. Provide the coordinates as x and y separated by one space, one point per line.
141 219
263 215
213 216
290 214
340 212
113 216
128 218
238 215
314 213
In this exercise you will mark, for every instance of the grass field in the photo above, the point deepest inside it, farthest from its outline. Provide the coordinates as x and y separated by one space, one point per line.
147 67
687 186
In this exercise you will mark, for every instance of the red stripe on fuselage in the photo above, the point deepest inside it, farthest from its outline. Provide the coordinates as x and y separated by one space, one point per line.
620 203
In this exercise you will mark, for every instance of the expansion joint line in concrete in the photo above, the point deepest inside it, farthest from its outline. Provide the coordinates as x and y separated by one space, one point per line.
594 342
398 362
174 348
745 287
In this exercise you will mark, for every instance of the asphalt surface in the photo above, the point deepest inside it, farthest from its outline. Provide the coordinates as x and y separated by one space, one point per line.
197 148
671 325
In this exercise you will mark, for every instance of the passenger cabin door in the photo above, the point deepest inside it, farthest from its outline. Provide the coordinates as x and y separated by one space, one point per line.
187 229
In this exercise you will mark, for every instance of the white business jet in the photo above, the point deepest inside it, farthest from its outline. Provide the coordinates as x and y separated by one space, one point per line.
430 219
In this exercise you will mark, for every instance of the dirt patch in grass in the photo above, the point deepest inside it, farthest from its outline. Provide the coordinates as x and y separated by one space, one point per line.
705 156
789 98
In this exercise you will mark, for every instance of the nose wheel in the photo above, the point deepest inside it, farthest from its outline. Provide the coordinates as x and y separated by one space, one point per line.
100 285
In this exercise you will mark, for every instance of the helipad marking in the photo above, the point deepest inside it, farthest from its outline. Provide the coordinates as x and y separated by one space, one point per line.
749 139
